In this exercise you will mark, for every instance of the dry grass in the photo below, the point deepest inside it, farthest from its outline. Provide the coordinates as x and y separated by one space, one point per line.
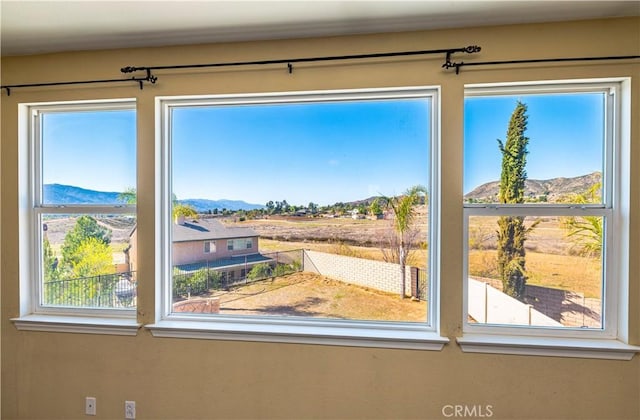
312 295
566 272
417 258
549 259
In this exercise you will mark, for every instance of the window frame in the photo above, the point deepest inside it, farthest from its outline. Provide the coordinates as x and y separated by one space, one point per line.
33 314
610 340
212 247
283 329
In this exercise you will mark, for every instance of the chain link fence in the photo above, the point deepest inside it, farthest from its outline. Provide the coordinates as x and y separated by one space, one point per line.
224 274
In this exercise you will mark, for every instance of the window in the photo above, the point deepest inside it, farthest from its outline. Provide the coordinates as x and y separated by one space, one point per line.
209 247
323 175
76 223
544 247
239 244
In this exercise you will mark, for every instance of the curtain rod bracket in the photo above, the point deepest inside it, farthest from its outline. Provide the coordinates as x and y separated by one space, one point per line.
290 67
453 65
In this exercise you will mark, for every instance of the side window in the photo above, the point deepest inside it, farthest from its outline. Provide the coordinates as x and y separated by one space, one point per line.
81 220
540 209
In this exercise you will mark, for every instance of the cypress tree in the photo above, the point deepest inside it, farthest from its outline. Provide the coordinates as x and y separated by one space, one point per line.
511 230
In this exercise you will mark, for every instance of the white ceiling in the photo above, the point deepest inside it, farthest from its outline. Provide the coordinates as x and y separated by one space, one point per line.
32 27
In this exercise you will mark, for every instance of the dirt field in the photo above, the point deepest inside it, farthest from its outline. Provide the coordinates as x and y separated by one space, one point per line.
360 232
551 259
312 295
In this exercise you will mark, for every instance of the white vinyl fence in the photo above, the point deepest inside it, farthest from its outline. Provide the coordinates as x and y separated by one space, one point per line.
491 306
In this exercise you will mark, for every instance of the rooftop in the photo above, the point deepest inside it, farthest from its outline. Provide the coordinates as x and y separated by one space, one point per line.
208 229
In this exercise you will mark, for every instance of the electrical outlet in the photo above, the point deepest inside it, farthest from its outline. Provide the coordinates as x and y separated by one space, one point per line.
129 409
90 406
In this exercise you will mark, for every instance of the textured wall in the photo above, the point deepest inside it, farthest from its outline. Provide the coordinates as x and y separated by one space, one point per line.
47 375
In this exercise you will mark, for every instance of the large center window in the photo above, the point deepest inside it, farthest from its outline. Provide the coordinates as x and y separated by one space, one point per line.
324 200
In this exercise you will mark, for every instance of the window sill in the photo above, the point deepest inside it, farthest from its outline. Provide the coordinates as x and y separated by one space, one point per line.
301 332
77 324
547 346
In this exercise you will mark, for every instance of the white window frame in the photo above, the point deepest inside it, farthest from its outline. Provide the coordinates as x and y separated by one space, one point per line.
282 329
212 247
611 341
33 315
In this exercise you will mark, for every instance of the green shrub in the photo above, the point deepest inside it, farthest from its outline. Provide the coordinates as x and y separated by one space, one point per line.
284 269
190 283
260 271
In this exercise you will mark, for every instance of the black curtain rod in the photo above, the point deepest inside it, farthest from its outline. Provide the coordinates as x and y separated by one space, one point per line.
447 65
140 80
457 66
289 61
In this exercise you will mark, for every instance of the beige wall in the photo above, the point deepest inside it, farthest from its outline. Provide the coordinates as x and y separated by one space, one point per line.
47 375
193 251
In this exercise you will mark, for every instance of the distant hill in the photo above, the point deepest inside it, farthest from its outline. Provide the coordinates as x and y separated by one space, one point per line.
202 204
550 189
68 194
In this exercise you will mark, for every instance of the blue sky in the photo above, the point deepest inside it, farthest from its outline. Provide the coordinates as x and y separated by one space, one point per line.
565 135
93 150
322 152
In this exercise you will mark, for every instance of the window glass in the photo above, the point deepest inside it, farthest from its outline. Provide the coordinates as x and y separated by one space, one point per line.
86 261
88 157
536 175
564 272
565 159
84 162
328 217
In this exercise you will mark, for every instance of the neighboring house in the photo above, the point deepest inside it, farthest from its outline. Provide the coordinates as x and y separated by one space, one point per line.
195 241
208 242
355 214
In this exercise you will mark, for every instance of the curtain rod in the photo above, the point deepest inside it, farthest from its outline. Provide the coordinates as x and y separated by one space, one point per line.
289 61
152 79
449 65
140 80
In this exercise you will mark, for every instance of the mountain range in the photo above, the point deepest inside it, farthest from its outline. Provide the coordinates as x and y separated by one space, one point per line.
551 189
68 194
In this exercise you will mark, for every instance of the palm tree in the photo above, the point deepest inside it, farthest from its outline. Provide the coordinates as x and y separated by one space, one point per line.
585 231
403 224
